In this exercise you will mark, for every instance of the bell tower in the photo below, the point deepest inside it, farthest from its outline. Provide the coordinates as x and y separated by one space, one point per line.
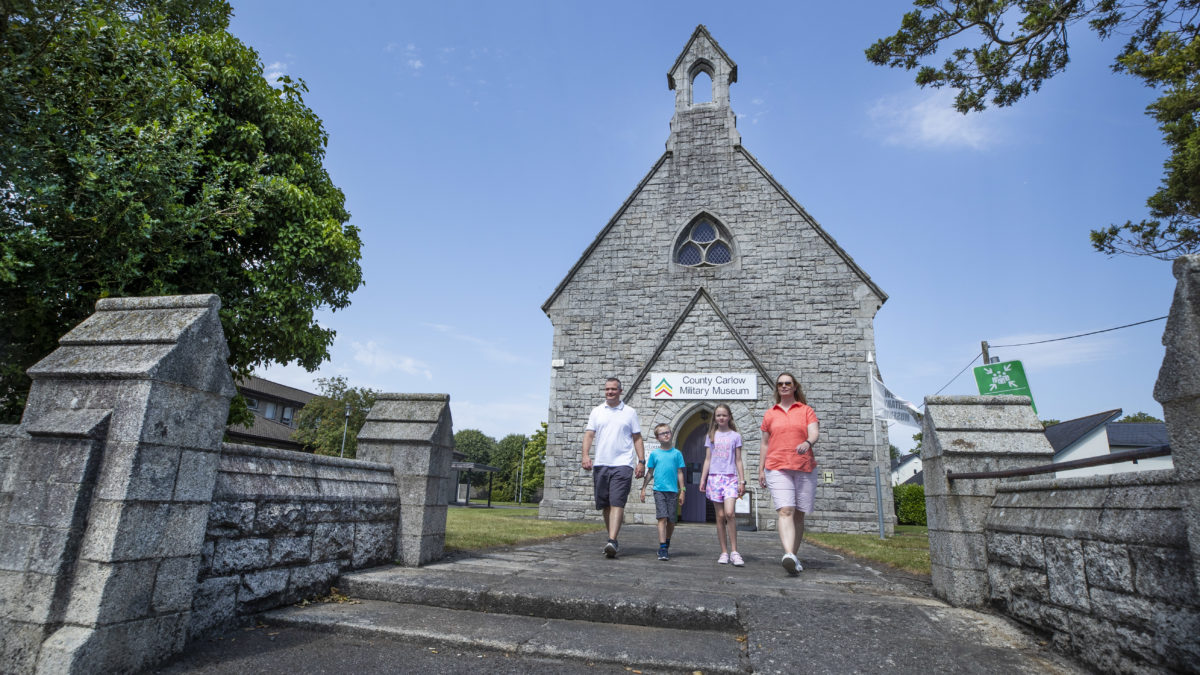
702 54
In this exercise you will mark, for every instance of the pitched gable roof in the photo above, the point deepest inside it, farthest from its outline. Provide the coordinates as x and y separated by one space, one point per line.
688 311
1065 434
1137 434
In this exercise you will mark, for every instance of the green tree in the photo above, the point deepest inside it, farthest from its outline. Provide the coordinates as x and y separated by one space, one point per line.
534 474
1047 423
1139 417
919 437
1024 43
507 458
144 153
322 423
479 448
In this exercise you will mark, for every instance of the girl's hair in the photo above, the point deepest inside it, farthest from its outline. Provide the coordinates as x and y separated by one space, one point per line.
796 390
712 426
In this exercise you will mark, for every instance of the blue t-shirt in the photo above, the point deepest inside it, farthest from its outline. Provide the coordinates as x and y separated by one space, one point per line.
666 465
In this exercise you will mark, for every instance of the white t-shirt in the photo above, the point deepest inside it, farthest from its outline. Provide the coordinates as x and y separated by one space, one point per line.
614 429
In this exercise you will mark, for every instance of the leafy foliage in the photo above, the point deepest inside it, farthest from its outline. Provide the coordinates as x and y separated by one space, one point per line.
322 423
1024 43
479 448
507 458
910 504
145 154
1049 422
1139 417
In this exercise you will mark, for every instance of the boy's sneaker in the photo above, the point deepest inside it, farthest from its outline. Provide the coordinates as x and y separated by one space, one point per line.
792 564
611 548
662 553
724 559
736 559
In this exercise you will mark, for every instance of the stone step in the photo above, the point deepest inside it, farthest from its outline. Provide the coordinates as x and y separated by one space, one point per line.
595 601
638 647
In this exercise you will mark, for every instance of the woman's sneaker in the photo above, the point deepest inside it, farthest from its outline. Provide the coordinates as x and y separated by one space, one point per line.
792 564
724 559
736 559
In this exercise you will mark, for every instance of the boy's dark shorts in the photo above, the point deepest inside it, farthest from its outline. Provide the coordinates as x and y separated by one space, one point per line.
612 484
666 505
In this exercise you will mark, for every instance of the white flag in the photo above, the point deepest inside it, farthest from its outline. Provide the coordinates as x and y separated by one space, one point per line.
889 406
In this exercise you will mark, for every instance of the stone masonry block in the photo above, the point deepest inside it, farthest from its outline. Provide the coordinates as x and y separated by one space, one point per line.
230 518
960 587
1016 550
26 597
960 550
1107 566
333 540
16 543
415 551
137 530
237 555
261 585
107 593
1065 573
313 579
127 647
138 471
49 553
214 604
174 583
958 513
1164 574
428 520
374 544
289 550
279 517
19 645
197 475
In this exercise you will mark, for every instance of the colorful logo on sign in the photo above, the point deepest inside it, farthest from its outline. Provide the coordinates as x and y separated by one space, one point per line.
663 389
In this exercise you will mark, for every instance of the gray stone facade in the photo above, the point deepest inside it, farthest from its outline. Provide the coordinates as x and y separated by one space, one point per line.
789 300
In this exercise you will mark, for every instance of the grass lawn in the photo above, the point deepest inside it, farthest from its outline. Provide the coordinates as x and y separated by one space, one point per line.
907 550
477 528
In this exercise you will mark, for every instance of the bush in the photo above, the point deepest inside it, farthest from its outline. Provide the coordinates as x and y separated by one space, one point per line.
910 504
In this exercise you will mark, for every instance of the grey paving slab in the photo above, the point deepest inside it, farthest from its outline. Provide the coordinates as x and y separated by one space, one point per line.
839 615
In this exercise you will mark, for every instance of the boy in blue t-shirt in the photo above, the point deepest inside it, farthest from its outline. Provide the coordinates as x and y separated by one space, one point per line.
665 466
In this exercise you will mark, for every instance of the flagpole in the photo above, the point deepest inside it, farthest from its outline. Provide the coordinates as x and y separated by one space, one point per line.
875 437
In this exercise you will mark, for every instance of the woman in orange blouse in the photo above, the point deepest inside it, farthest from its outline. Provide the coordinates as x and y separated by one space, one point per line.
788 468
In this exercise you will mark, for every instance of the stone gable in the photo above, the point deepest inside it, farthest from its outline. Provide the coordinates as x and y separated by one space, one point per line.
794 299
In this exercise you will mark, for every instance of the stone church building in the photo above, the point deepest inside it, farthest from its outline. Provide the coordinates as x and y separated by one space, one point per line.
708 282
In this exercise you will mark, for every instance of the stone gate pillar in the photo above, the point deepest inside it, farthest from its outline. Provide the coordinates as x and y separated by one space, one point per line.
1178 390
415 435
109 482
964 434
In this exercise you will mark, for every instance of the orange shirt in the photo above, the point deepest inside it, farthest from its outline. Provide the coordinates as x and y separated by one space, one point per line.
788 428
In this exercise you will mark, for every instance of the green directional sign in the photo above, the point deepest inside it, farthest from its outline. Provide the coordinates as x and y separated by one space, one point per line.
1007 377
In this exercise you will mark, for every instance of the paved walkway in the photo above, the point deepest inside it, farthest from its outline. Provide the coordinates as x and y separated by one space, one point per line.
838 616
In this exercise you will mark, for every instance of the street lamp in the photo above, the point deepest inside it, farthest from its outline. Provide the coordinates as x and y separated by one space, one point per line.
521 471
344 428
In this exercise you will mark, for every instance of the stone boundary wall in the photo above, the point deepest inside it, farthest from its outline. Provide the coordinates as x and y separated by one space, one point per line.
127 527
284 524
1108 566
1102 564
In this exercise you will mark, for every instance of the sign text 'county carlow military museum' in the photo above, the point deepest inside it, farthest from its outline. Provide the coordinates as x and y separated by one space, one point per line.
715 386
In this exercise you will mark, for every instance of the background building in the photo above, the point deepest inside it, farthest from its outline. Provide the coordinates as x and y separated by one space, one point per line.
274 406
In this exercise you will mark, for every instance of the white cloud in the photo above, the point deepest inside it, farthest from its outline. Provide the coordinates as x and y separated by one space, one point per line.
928 119
500 417
379 359
1054 354
485 347
275 71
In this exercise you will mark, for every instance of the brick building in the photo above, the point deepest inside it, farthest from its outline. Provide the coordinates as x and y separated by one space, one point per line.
710 266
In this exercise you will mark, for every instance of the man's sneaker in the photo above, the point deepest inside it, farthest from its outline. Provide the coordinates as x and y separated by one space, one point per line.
736 559
724 559
662 553
610 549
792 564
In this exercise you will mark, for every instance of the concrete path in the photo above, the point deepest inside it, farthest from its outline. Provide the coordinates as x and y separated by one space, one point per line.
563 607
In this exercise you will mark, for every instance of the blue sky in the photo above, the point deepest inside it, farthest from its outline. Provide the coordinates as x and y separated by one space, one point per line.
482 146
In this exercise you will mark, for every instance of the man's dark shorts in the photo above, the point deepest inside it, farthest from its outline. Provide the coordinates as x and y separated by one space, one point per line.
612 484
666 505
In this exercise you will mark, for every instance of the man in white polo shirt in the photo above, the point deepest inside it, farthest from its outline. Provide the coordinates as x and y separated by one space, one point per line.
617 434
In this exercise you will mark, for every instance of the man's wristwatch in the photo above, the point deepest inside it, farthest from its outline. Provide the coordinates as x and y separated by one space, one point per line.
641 461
